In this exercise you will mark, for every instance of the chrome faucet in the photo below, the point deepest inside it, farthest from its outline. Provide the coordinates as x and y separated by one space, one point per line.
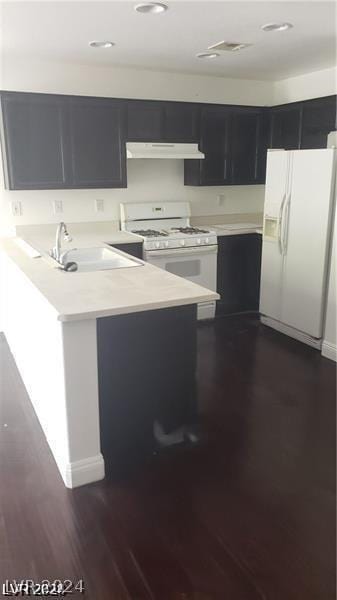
56 251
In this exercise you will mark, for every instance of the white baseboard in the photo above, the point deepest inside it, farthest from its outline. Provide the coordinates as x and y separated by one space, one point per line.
329 350
84 471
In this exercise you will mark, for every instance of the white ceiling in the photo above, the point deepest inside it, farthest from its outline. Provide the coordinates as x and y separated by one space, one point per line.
60 31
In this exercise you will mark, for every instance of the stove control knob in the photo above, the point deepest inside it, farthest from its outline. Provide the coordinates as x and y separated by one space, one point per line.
207 241
182 243
166 244
157 244
198 241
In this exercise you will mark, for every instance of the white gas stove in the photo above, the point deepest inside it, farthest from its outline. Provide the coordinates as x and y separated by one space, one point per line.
171 243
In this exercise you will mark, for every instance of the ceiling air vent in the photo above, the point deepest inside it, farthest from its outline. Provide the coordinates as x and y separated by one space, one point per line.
228 46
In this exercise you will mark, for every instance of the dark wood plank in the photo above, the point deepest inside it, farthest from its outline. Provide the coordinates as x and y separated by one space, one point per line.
248 516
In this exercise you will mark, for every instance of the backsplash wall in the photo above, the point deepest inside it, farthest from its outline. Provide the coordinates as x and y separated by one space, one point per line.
148 180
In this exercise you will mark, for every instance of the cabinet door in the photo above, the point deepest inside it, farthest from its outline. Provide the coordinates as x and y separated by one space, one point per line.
319 118
33 141
145 121
214 169
181 122
238 273
286 127
97 141
248 147
133 248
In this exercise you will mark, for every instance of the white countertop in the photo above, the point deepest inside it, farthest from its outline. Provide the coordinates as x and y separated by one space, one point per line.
235 228
84 235
89 295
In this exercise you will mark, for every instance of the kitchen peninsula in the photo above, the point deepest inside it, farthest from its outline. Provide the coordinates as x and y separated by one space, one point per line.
93 347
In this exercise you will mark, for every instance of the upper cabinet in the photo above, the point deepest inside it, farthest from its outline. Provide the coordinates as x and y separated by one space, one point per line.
97 143
214 169
234 141
65 142
303 125
249 137
181 122
152 121
145 121
34 141
286 124
319 118
53 142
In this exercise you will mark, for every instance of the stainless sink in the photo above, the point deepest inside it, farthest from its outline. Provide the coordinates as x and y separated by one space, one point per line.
99 259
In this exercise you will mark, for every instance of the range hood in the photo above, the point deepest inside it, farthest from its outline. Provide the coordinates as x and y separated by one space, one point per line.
162 150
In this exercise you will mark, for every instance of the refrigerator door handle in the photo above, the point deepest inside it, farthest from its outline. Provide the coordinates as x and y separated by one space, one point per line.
285 225
280 226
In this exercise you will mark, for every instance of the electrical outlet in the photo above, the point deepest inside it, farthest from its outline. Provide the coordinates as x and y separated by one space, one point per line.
58 207
221 200
16 208
99 204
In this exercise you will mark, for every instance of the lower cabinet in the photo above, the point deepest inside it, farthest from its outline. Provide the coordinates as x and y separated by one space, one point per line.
135 249
238 273
146 372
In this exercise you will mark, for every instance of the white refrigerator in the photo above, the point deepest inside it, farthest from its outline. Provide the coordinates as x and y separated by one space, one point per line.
299 202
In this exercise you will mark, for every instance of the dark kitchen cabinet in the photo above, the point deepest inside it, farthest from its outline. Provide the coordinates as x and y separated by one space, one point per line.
64 142
234 141
53 142
238 273
248 146
319 118
151 121
181 122
286 127
303 125
145 121
135 248
146 372
97 143
34 141
214 169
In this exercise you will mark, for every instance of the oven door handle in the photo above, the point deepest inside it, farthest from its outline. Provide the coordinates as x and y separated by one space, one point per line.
189 251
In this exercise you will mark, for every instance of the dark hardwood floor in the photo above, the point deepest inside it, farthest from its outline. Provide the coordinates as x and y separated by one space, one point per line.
248 516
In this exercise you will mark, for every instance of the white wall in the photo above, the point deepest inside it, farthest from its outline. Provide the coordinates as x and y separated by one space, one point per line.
304 87
65 78
148 180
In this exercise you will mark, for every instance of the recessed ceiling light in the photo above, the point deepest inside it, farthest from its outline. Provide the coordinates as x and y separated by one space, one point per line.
276 26
152 8
207 55
105 44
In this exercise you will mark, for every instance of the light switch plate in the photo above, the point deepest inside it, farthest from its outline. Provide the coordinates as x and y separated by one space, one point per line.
16 208
99 205
58 207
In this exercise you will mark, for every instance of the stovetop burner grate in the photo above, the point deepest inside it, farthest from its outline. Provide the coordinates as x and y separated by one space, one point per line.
150 233
189 230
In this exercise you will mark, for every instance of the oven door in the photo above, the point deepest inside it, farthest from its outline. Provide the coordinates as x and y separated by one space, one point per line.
197 264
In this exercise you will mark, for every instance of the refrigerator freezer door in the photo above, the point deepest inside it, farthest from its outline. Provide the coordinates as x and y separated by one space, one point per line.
272 259
306 239
276 182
